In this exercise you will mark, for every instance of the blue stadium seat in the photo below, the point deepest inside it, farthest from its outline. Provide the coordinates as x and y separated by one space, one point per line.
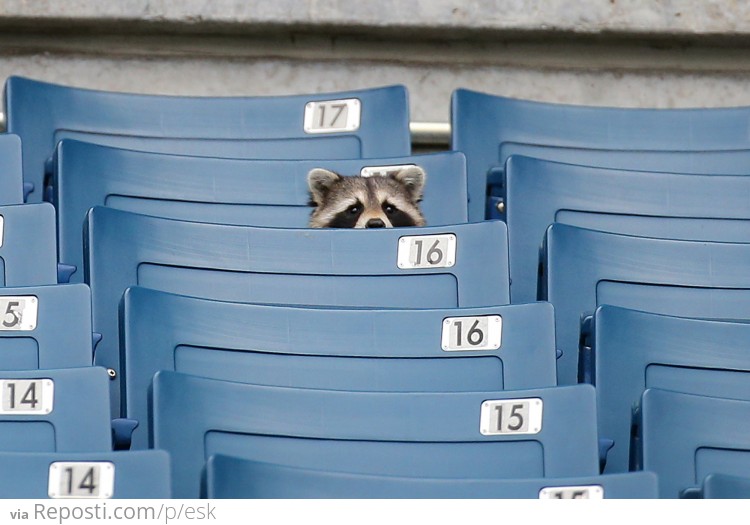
635 350
685 437
324 267
540 192
28 248
720 486
45 327
330 348
230 477
241 127
123 475
218 190
62 410
11 172
585 268
489 128
399 434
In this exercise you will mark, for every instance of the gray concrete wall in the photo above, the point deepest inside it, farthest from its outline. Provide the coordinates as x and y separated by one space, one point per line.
667 53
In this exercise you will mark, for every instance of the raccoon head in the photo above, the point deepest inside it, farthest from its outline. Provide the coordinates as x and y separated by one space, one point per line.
366 202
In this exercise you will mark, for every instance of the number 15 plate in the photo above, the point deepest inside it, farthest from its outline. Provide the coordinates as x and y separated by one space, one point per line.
511 416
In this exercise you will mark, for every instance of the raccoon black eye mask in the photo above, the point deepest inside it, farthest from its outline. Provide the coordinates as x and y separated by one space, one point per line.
366 202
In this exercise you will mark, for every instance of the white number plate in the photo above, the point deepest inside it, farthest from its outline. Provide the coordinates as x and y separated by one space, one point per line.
383 171
587 492
427 251
18 313
472 333
511 416
26 396
332 116
78 479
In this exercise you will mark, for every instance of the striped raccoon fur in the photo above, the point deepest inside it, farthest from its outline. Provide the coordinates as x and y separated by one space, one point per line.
379 201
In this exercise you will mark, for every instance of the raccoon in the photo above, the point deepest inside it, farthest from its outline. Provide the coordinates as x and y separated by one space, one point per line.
366 202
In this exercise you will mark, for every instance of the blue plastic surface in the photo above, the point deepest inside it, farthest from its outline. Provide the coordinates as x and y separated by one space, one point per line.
399 434
62 337
79 420
579 264
637 350
28 254
239 127
230 477
489 128
330 348
216 190
539 192
721 486
686 437
11 173
137 475
324 267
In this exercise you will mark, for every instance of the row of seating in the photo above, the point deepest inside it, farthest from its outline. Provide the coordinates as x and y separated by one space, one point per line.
272 360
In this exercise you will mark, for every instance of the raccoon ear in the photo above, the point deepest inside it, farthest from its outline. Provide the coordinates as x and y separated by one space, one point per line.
414 178
320 181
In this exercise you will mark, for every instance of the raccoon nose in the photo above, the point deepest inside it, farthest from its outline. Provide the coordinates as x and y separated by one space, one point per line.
375 223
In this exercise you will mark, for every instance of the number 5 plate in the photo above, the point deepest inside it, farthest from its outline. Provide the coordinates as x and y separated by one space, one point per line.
18 313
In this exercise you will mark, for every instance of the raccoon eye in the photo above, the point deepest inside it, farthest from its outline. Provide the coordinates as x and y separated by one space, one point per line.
389 208
353 209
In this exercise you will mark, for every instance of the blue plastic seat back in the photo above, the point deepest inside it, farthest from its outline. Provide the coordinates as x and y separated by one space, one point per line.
403 350
11 172
399 434
28 252
241 127
142 474
63 410
45 327
230 477
488 129
635 350
720 486
649 204
324 267
585 268
219 190
685 437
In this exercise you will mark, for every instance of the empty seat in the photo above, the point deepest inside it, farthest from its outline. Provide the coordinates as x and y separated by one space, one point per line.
220 190
11 172
63 410
635 350
585 268
685 437
28 248
230 477
650 204
404 350
489 128
132 475
354 124
45 327
720 486
399 434
440 267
